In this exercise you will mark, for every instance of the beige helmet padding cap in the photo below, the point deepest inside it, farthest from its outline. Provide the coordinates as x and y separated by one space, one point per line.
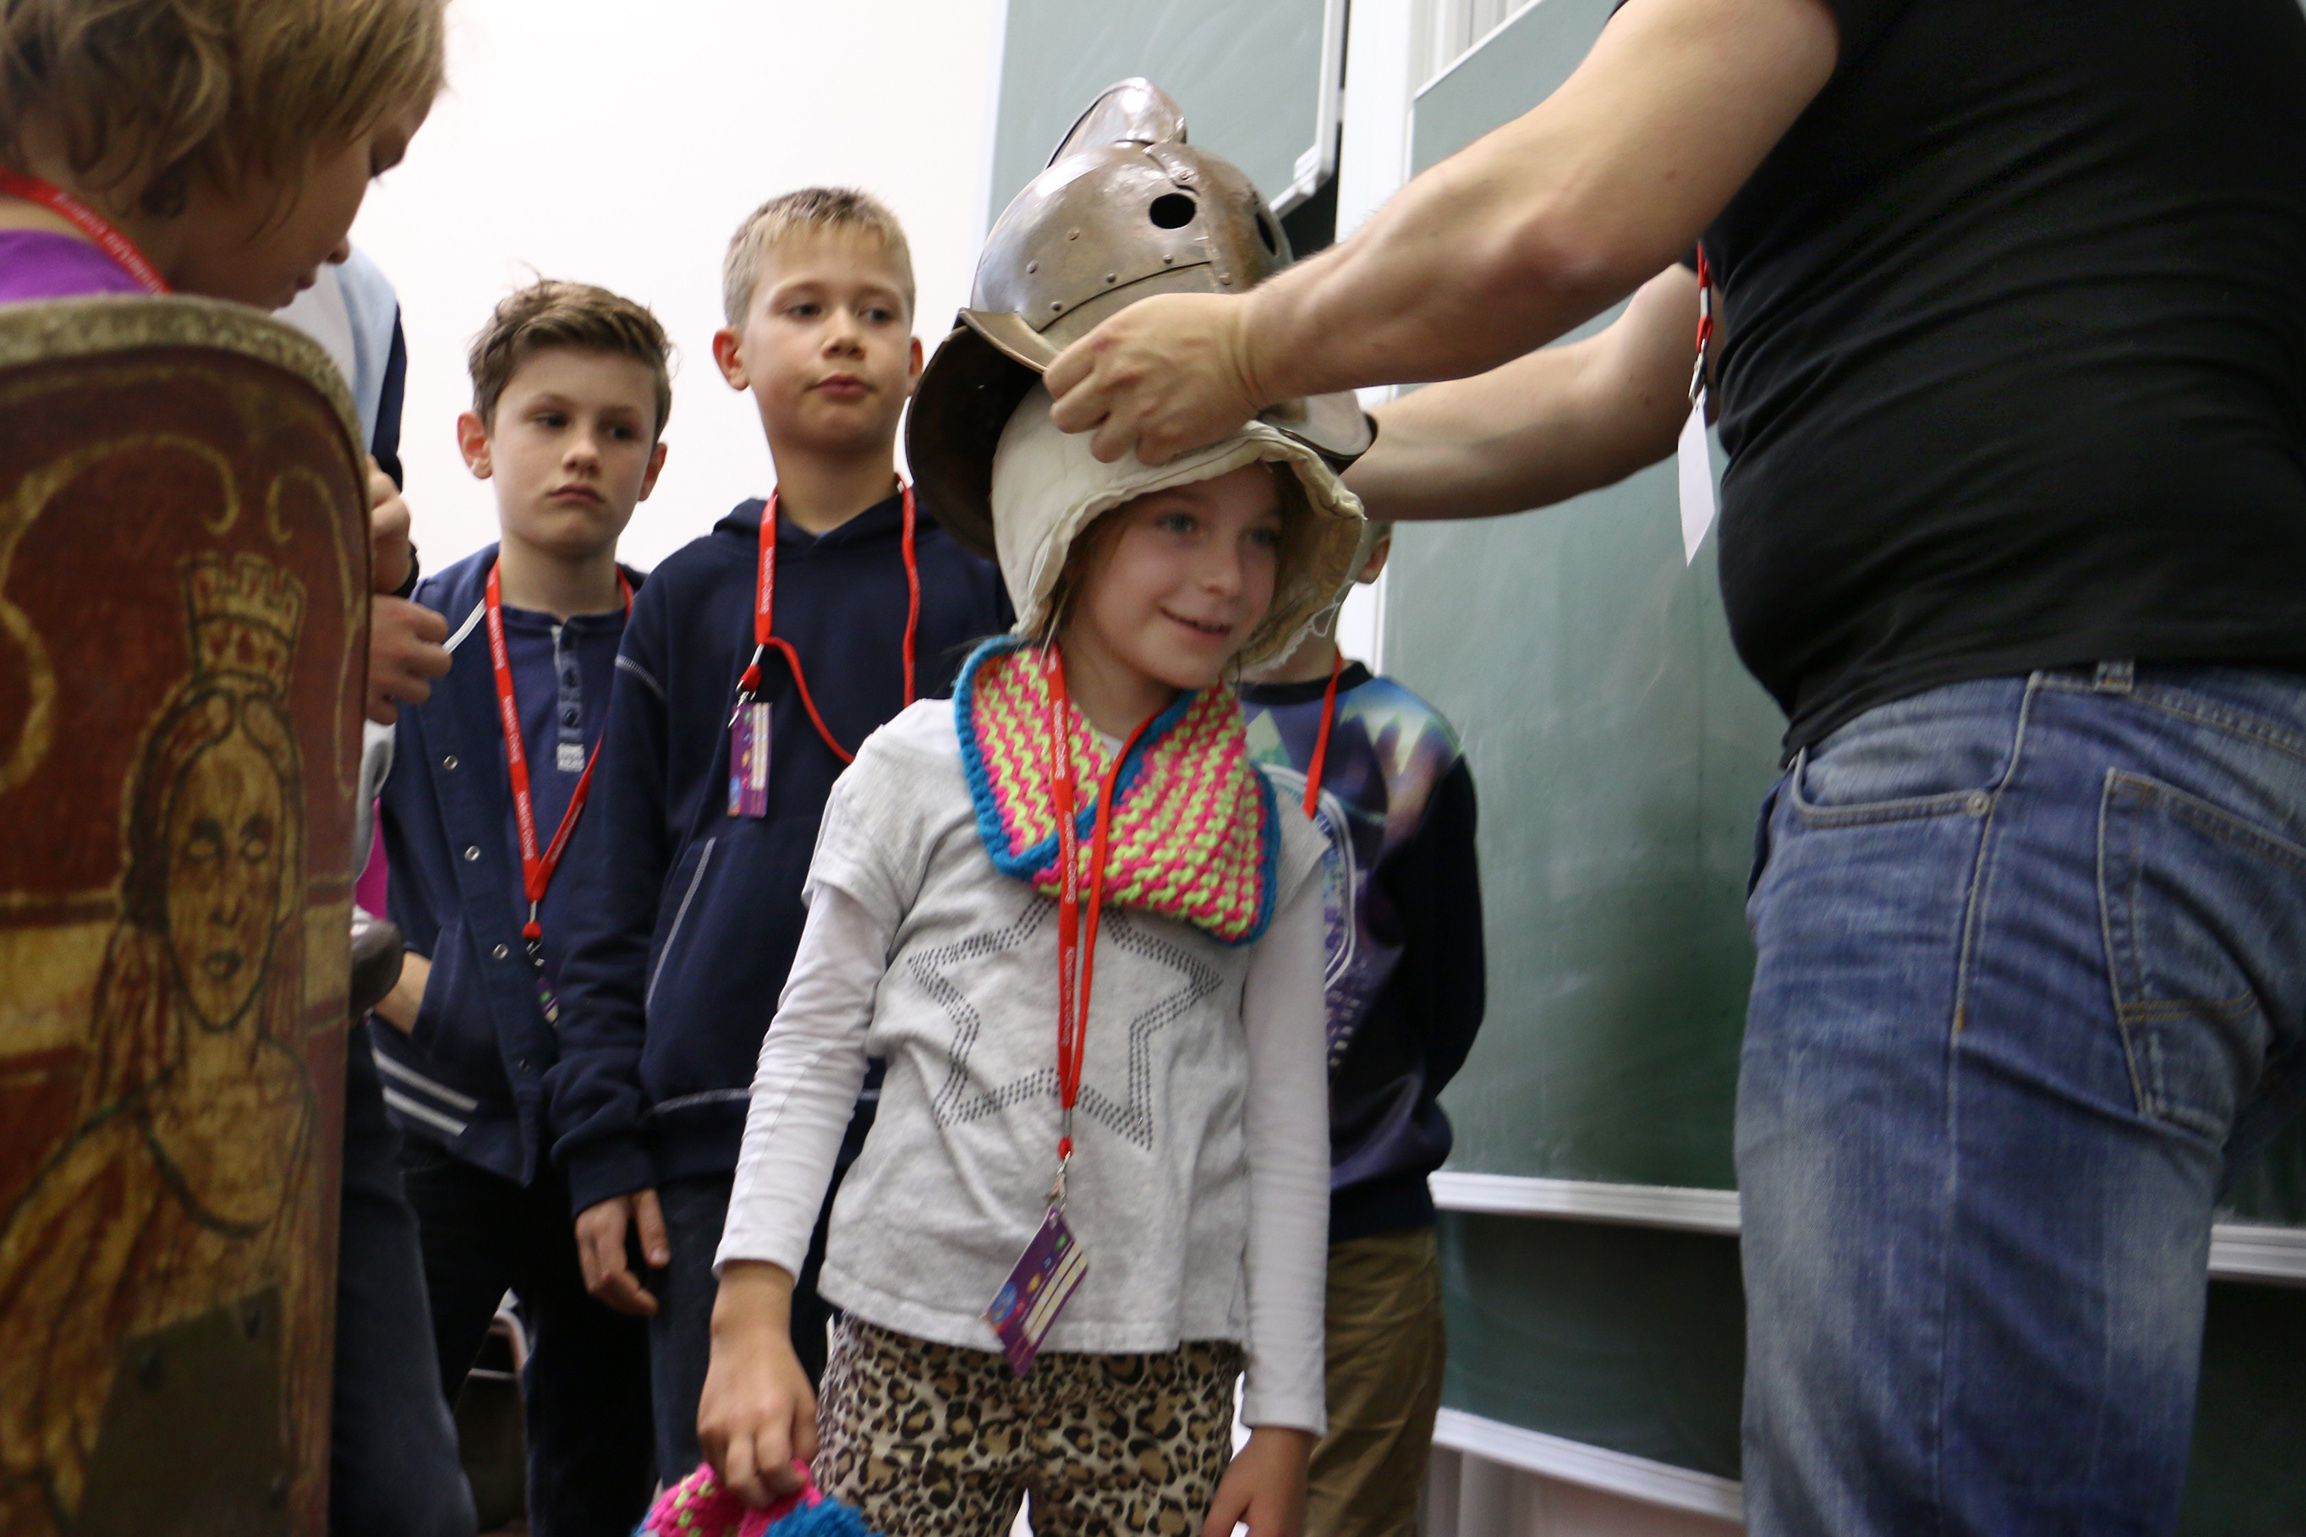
1048 486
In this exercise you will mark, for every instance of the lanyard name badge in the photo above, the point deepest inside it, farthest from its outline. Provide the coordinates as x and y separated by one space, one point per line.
1693 455
749 722
1054 1264
90 223
536 869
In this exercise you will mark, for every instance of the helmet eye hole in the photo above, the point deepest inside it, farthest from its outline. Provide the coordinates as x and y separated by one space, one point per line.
1265 233
1173 210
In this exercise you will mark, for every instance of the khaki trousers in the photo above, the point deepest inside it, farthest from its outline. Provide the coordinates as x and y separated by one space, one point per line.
1387 1347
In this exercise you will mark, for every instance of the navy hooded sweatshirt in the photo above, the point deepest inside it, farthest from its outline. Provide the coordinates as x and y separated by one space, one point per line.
682 920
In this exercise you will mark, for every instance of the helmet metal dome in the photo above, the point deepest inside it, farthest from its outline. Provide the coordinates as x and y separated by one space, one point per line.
1126 208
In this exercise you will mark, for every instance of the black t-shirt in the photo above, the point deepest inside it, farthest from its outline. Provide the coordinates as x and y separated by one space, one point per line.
2013 365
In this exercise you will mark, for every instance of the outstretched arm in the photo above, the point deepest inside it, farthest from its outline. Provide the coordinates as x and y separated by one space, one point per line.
1499 249
1545 427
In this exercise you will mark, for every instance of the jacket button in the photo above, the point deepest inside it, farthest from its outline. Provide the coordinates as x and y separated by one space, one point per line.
448 762
501 952
471 854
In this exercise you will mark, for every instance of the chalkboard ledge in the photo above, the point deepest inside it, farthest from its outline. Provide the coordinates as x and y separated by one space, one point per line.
1590 1467
2239 1251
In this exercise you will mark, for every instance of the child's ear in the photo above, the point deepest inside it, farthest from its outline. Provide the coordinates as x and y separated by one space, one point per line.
472 442
656 468
913 368
1375 564
728 353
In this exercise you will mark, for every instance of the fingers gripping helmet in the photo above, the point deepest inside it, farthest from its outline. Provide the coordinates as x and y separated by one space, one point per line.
1126 208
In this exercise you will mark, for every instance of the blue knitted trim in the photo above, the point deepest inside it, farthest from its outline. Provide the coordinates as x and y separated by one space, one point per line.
991 831
1268 862
827 1518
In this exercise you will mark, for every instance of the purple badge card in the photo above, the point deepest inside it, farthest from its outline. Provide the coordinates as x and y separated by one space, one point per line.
749 761
1026 1307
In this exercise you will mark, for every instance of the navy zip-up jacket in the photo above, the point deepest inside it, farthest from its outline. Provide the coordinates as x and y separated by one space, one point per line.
471 1076
683 919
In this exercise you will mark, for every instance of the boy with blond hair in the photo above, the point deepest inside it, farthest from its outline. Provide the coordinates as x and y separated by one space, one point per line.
570 394
755 662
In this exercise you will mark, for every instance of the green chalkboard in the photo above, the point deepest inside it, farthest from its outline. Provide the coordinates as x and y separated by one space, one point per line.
1248 76
1620 752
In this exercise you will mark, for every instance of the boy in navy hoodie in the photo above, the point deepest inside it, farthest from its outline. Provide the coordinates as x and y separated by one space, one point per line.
1390 787
756 661
491 776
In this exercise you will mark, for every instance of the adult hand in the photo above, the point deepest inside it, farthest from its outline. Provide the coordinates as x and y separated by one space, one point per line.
405 653
1164 376
399 1007
1264 1485
757 1415
391 553
600 1236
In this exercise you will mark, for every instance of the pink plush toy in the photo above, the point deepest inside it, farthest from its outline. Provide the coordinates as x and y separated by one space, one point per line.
698 1506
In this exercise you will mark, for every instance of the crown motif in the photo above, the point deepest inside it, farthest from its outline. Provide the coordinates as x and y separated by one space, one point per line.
245 614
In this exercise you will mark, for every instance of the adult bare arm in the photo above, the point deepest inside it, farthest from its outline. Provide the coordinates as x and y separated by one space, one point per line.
1545 427
1499 249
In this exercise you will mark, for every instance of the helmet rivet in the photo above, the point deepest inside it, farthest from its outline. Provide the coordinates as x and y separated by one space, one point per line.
1167 258
1072 234
1112 277
1056 304
1226 278
1032 266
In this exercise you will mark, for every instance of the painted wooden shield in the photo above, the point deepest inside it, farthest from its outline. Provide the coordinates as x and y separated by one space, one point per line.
183 632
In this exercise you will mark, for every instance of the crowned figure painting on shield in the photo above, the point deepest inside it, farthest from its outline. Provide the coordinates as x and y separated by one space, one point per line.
183 578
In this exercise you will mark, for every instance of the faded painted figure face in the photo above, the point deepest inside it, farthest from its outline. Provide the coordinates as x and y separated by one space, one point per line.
227 865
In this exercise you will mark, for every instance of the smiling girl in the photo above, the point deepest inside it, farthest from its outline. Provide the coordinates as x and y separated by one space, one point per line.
1085 936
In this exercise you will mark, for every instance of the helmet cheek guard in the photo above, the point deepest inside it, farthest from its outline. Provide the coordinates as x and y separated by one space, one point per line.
1126 208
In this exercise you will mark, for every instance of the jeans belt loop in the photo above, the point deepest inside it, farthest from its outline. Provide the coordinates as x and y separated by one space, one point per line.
2116 677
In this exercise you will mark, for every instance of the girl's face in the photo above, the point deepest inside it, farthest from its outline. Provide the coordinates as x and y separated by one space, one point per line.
1182 578
226 865
265 241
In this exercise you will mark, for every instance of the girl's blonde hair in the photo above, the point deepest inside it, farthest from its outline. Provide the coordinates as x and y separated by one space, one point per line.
219 89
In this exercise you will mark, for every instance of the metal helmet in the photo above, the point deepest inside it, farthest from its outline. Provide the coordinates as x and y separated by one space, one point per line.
1126 208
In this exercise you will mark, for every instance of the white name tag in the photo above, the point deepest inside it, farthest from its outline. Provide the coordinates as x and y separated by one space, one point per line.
1695 460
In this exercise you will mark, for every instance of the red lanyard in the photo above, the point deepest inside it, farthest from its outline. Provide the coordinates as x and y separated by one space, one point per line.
1704 324
1073 956
535 869
764 611
1321 742
89 222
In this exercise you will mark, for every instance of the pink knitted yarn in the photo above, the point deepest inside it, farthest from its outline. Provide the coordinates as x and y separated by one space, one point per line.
698 1506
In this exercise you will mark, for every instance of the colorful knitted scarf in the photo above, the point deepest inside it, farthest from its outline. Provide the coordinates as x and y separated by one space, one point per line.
1194 835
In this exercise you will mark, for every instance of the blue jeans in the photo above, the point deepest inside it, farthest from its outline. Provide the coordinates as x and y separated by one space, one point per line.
2031 972
585 1391
393 1466
681 1333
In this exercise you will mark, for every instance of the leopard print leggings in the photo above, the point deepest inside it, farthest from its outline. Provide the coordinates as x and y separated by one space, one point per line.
937 1441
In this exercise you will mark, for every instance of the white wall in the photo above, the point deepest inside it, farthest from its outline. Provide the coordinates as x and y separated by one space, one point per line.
620 145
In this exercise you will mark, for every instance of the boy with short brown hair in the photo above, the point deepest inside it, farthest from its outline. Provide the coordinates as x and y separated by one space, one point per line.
757 660
570 393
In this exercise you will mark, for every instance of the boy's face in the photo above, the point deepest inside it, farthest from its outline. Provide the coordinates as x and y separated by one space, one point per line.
572 449
265 241
827 347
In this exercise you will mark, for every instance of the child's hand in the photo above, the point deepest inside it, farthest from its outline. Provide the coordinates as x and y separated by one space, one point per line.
390 550
405 653
1264 1485
757 1414
600 1240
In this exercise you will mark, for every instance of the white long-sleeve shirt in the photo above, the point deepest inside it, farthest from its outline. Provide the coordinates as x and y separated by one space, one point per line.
1199 1187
